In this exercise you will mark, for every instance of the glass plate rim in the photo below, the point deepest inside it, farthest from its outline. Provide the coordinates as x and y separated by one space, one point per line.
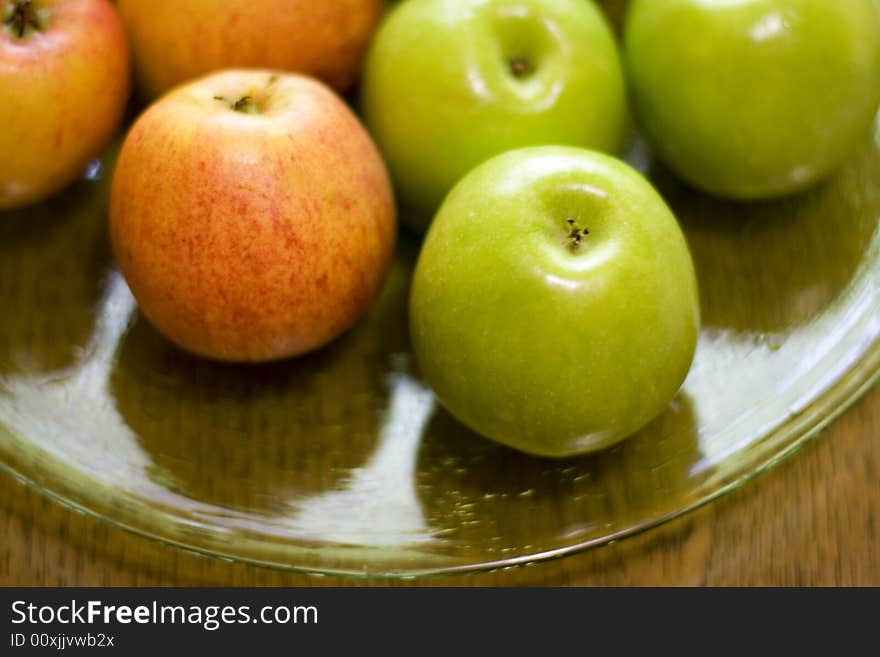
791 435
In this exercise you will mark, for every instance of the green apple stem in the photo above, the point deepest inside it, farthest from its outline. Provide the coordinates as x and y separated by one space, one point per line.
575 234
22 18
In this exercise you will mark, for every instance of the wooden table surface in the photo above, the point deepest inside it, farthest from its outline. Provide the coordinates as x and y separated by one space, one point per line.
813 520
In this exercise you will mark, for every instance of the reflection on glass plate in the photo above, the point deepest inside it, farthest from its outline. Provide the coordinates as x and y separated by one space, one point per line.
342 462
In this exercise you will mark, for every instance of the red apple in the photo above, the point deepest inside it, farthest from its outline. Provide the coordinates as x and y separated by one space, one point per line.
174 41
251 215
64 82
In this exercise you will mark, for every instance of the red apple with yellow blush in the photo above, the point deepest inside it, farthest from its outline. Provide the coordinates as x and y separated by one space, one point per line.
251 215
175 41
64 83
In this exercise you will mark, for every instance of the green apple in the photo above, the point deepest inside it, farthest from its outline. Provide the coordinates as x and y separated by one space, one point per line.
554 305
450 83
754 99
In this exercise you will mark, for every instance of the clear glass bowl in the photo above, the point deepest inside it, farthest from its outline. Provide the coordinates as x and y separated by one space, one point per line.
342 462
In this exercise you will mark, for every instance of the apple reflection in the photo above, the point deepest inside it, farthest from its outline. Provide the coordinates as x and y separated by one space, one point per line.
73 416
378 504
70 413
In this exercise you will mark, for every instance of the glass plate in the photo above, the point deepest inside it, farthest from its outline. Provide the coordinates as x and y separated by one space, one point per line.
341 462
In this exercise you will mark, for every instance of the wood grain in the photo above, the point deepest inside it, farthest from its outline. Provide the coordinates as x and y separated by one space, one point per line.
812 521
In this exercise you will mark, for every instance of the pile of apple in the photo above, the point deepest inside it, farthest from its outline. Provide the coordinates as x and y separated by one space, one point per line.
554 306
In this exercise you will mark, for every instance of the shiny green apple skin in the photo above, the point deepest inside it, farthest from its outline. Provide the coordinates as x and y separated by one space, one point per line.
552 348
440 93
754 99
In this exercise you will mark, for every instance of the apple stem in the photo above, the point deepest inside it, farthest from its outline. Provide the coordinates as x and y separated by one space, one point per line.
521 67
245 104
575 234
23 16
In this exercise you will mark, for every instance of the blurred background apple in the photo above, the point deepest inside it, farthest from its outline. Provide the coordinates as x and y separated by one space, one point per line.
754 99
174 41
450 83
64 83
